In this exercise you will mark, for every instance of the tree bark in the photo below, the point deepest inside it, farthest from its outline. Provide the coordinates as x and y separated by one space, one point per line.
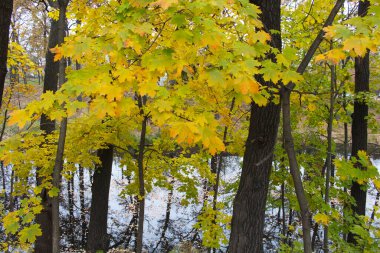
6 8
97 234
82 208
288 137
57 183
58 165
294 171
359 130
329 152
44 242
250 201
249 205
140 229
71 225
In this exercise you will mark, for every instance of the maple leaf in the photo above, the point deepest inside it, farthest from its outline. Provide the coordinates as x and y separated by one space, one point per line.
127 105
330 32
19 117
54 192
270 72
101 107
113 92
148 88
11 223
164 4
27 218
322 218
29 234
281 59
214 144
58 54
376 182
215 78
358 45
48 99
291 76
165 106
311 107
334 56
262 36
259 99
184 132
248 86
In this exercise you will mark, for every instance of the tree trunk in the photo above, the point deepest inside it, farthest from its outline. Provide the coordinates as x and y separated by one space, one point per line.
82 209
57 184
97 233
359 130
6 8
329 151
71 225
44 242
58 165
140 229
283 230
250 201
294 171
288 137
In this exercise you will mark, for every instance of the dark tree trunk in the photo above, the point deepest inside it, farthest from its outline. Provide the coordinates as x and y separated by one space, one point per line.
97 234
289 232
140 230
6 8
44 242
57 184
70 194
59 160
294 171
250 201
288 137
49 217
329 160
283 231
82 209
359 130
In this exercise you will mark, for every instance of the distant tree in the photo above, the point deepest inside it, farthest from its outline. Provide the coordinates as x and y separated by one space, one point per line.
6 7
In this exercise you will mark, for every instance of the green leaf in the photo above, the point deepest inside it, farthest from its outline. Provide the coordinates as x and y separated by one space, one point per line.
11 223
53 192
29 234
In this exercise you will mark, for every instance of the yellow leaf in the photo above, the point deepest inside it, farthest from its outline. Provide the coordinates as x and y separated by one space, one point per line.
133 44
291 76
322 218
113 92
282 60
334 56
11 223
330 32
311 107
148 88
262 36
248 86
57 51
376 182
19 117
54 14
214 144
164 4
357 45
